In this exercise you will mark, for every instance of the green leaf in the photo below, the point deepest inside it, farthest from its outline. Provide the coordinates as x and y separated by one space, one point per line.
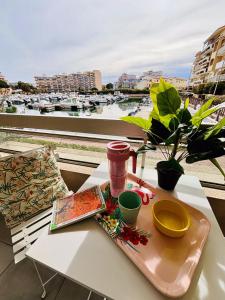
200 149
153 95
198 116
205 155
214 130
165 98
199 145
204 112
166 101
173 124
154 115
138 121
173 137
186 103
165 121
184 116
204 107
158 133
217 165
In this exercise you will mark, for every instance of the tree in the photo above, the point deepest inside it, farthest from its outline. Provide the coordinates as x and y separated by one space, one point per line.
26 87
209 88
109 86
220 88
94 89
3 84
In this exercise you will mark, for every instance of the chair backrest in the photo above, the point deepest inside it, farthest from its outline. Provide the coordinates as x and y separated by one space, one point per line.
25 234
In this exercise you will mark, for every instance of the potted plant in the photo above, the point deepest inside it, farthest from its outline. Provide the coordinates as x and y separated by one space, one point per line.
179 134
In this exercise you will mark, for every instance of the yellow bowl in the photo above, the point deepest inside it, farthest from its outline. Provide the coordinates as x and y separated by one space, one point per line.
170 218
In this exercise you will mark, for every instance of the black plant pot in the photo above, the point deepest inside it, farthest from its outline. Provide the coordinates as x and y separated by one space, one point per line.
167 176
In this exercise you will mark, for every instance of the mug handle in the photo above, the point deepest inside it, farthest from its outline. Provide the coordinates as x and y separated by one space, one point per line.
134 160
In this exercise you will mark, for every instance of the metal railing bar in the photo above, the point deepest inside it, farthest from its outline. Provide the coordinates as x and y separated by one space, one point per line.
213 185
78 162
9 151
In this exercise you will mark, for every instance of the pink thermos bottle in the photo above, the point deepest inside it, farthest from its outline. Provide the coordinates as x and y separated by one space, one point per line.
118 154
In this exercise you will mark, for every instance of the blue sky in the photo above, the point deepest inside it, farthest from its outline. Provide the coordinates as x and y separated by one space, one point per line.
56 36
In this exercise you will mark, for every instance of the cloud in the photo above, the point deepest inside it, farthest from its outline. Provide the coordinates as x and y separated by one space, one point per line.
58 36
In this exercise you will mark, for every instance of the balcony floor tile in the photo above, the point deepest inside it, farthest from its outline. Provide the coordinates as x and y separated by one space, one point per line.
4 232
6 257
73 291
20 282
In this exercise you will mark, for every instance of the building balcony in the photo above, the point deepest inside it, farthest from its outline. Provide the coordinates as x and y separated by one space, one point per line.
221 51
217 78
204 60
196 81
201 66
220 65
204 65
207 50
201 71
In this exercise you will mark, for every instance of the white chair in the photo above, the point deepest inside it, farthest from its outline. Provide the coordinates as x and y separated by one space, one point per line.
25 234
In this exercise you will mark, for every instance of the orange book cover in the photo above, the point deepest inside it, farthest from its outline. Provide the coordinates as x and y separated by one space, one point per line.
77 207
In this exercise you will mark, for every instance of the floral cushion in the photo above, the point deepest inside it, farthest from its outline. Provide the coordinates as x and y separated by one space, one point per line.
29 182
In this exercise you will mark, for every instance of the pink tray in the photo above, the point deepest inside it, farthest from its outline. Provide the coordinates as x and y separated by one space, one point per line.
168 263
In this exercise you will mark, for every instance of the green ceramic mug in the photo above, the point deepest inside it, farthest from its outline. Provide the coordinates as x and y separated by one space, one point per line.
129 204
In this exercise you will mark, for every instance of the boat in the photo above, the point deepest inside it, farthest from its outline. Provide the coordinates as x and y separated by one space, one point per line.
88 113
122 98
17 102
72 104
87 104
45 106
42 106
98 99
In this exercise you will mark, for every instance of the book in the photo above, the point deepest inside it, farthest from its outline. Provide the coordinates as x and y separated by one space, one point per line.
77 207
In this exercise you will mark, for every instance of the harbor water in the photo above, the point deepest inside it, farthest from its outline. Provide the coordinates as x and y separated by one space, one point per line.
104 111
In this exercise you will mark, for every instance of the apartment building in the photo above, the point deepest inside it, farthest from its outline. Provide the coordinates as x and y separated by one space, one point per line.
126 81
146 78
2 77
209 64
4 91
137 82
81 81
179 83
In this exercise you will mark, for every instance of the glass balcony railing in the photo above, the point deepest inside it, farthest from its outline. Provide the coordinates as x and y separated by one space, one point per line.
83 141
219 77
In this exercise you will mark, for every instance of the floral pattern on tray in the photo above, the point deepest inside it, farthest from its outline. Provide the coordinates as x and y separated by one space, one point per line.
112 222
